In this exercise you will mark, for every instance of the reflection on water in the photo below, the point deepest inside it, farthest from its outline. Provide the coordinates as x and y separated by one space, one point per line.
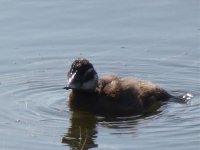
82 133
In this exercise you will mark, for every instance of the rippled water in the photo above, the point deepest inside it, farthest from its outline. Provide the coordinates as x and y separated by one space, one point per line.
153 40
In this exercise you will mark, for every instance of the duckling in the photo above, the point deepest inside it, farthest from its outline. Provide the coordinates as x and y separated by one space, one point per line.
110 95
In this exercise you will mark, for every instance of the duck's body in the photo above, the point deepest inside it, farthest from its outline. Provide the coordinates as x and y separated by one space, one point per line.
110 94
119 96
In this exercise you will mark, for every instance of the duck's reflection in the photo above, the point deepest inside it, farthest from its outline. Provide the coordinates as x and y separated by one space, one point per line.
82 133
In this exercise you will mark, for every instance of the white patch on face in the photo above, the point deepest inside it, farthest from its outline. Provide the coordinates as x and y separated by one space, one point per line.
71 84
91 84
72 77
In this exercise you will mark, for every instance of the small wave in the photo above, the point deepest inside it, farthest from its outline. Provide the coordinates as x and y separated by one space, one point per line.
181 97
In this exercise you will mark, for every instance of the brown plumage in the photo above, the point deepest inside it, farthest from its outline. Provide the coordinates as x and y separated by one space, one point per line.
111 95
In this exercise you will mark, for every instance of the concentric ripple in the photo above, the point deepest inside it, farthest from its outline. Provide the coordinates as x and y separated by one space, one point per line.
33 101
34 107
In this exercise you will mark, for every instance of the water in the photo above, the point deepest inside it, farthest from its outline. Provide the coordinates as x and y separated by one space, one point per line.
150 39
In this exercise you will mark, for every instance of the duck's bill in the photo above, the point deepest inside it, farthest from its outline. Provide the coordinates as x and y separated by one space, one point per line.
71 84
66 88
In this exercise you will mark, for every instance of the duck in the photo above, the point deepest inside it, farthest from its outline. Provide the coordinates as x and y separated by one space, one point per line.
110 94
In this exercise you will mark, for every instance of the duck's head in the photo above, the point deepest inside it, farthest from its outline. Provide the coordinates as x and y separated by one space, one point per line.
82 76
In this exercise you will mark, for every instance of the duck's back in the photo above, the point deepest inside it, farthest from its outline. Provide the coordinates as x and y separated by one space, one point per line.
129 95
113 85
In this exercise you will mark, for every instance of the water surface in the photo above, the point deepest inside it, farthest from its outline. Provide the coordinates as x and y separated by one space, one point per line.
150 39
